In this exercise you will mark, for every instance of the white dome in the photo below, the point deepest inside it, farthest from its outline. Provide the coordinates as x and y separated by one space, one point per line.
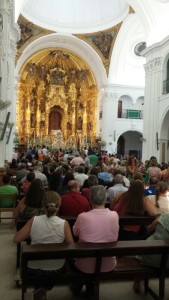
74 16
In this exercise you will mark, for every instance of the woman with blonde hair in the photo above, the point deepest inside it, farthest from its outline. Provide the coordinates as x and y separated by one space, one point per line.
131 167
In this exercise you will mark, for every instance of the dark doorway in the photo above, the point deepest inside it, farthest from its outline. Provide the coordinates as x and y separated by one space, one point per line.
133 153
121 146
55 120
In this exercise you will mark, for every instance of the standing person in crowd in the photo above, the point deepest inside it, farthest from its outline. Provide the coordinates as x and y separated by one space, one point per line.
131 167
46 229
100 225
31 204
133 203
73 203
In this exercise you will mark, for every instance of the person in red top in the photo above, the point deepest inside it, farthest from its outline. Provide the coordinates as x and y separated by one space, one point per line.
73 203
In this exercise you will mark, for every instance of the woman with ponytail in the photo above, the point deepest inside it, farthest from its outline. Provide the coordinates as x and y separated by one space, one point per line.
44 229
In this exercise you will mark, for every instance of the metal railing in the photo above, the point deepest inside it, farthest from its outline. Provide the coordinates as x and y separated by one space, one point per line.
131 114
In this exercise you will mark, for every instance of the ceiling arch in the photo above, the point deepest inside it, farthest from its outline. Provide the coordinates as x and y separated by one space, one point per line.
72 44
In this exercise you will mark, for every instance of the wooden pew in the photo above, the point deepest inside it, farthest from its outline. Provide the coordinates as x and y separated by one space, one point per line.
6 208
127 267
123 220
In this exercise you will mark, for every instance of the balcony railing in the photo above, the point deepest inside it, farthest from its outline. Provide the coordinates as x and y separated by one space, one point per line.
131 114
166 86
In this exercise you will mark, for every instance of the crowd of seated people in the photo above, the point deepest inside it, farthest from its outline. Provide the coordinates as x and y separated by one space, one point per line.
131 187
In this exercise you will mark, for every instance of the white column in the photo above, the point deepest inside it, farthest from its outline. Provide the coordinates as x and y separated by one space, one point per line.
151 108
9 35
109 117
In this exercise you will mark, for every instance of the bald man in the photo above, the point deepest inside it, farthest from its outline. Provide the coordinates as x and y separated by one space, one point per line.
73 203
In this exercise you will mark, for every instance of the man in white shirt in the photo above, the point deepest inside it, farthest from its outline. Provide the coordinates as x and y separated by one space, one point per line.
79 176
117 188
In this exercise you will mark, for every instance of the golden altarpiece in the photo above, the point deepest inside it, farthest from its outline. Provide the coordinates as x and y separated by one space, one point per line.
57 96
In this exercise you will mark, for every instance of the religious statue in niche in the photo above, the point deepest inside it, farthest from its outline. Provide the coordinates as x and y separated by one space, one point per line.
80 105
69 126
42 72
79 123
32 69
33 121
71 75
103 42
58 140
42 125
56 76
89 126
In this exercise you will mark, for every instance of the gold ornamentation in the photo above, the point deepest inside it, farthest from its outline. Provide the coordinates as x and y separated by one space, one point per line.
56 81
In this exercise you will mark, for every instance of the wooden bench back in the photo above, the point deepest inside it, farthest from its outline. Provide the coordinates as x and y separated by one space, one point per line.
4 208
83 250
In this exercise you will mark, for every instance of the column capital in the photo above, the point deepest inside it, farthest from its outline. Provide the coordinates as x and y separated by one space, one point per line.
110 96
153 65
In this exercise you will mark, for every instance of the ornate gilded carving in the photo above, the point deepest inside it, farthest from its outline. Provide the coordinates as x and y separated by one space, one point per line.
103 43
58 82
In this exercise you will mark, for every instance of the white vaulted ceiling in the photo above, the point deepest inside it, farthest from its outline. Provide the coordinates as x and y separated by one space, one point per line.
74 16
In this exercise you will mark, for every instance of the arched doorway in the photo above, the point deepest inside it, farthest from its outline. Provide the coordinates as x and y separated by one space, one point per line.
129 143
121 146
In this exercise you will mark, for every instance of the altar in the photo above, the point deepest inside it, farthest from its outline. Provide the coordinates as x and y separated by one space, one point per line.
58 139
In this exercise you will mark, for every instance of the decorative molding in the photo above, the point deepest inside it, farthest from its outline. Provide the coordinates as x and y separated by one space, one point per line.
13 47
153 65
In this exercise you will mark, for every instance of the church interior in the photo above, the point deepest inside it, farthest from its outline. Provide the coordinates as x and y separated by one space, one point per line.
79 74
83 79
